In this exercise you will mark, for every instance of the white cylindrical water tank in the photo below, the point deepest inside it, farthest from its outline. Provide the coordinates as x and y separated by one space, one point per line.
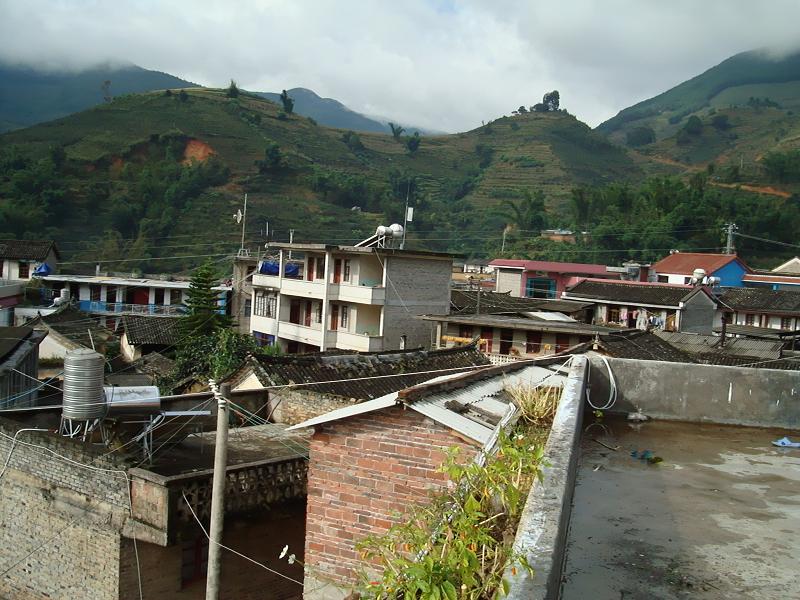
84 399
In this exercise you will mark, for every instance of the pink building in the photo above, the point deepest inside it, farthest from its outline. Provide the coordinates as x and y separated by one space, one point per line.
544 279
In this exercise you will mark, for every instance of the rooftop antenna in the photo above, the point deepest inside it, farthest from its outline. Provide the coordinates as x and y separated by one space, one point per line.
241 217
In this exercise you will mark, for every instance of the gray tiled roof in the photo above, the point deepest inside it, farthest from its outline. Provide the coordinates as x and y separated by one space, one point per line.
639 293
465 302
761 300
26 249
157 331
346 371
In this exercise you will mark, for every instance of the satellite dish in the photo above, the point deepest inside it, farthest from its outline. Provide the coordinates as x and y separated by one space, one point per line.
238 216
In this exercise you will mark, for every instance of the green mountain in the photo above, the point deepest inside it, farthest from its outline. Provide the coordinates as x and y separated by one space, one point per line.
327 111
117 180
29 96
750 79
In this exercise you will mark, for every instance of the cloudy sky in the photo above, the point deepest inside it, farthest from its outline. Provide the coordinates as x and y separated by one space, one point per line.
440 64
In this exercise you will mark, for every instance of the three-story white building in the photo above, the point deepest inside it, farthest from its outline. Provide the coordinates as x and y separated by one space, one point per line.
349 297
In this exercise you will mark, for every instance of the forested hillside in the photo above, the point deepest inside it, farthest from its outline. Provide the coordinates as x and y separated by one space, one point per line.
154 180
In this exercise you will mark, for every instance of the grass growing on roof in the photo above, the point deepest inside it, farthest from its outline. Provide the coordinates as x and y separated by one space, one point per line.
465 553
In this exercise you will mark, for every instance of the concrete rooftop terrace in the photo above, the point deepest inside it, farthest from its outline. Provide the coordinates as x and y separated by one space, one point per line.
718 518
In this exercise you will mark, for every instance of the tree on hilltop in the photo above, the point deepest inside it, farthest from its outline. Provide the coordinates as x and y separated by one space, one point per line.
413 142
233 90
288 103
397 130
550 102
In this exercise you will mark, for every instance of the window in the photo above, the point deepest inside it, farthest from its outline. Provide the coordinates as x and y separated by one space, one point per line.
613 315
663 279
786 323
533 344
749 319
94 293
111 294
320 268
540 287
465 331
159 296
24 270
345 315
346 275
318 313
248 306
265 305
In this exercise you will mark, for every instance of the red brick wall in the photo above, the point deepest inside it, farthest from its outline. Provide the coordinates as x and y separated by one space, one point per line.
363 469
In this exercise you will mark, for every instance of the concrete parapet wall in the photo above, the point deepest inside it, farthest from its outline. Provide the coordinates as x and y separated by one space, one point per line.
700 393
541 535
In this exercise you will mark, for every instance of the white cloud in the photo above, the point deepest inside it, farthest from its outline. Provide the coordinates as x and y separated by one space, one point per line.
439 64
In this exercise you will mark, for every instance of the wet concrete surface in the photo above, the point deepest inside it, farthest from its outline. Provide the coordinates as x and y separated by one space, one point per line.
718 518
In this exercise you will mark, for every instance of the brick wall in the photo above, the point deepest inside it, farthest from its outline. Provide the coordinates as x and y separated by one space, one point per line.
421 286
363 471
66 516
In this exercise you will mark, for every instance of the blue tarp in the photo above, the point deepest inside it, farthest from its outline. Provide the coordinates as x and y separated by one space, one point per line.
269 267
43 269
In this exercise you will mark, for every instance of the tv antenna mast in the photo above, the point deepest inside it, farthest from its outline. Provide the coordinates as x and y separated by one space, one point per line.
241 217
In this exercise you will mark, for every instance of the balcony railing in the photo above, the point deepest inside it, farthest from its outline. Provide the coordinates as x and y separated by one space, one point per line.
172 310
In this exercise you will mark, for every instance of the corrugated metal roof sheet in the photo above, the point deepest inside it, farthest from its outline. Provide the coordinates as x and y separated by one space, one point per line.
695 343
485 395
684 263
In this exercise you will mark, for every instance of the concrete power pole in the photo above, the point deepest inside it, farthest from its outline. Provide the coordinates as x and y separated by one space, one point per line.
730 228
218 492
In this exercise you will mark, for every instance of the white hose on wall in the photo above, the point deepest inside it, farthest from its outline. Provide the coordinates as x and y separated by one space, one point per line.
612 388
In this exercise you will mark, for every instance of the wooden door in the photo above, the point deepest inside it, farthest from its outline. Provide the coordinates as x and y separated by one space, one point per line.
562 342
307 320
334 317
310 271
294 312
337 270
487 333
506 340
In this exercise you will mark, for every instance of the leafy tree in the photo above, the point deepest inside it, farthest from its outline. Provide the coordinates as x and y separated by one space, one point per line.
202 317
413 142
485 153
694 126
640 136
397 130
273 158
522 110
233 90
353 141
527 214
721 122
552 100
288 103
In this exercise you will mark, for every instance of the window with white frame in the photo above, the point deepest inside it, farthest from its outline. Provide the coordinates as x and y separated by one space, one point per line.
265 305
345 310
346 270
318 312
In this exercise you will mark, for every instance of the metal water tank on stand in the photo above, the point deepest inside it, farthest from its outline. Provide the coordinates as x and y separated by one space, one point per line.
84 405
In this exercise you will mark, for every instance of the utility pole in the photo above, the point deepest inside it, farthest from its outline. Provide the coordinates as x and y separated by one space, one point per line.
478 302
291 241
405 216
218 491
244 224
503 247
730 228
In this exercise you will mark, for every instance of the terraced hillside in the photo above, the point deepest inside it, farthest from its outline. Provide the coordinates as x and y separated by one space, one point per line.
122 177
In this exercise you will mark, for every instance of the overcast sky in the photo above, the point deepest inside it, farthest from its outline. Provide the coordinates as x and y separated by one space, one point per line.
441 64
